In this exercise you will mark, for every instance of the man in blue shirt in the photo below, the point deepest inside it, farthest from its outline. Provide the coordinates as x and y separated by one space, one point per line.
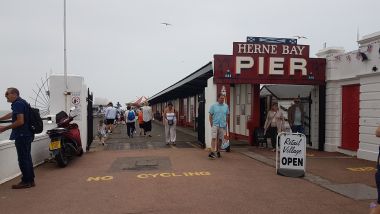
219 118
22 136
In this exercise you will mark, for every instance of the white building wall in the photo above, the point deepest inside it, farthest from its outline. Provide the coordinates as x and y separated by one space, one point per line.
347 69
369 116
210 97
333 139
77 88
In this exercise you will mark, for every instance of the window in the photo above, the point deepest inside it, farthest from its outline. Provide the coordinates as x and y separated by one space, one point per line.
238 120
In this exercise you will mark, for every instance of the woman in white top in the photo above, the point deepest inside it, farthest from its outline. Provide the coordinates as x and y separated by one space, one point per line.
170 120
273 124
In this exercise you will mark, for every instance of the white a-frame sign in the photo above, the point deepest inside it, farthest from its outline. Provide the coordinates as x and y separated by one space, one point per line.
291 154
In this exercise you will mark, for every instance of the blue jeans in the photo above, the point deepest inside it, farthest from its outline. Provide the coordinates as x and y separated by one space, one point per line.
23 148
298 128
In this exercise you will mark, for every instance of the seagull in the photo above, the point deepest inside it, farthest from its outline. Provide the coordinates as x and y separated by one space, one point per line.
166 24
300 37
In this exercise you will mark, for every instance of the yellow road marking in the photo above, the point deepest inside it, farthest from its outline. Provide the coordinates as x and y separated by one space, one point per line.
362 169
100 178
172 174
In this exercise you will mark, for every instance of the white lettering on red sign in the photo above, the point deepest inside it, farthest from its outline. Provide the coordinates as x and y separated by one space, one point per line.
276 65
247 48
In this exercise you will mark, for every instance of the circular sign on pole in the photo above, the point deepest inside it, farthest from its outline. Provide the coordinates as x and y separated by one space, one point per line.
291 154
75 100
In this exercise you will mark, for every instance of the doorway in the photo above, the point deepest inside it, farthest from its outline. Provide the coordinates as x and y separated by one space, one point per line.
350 117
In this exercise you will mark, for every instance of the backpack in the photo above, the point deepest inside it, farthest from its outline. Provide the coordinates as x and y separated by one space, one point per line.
131 115
36 125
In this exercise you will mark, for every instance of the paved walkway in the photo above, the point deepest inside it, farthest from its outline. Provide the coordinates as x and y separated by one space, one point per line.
143 175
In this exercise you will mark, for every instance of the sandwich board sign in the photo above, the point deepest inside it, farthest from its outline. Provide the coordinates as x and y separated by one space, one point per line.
291 154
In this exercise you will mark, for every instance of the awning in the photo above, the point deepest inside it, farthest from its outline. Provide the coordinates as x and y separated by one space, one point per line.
286 91
191 85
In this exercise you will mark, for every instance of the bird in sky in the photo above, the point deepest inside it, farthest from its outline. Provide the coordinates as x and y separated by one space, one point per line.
300 37
166 24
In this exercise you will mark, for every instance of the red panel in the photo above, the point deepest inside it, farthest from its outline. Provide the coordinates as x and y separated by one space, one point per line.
350 117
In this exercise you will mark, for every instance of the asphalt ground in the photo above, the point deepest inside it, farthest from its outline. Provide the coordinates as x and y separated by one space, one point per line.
143 175
336 167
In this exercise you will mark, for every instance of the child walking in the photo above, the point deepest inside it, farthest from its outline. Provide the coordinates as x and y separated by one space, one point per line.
102 131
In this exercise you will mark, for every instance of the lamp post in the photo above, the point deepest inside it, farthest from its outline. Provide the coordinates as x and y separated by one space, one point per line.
66 93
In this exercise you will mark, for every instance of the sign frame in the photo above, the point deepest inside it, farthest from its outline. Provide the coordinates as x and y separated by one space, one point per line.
293 152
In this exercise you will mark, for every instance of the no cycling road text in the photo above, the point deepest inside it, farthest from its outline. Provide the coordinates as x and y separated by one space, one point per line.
153 175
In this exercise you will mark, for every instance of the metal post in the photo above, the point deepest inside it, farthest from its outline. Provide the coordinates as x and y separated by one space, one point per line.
65 54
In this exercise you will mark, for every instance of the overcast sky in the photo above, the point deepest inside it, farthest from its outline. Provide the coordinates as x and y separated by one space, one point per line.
123 51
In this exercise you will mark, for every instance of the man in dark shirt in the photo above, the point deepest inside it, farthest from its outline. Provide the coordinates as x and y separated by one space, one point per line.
22 136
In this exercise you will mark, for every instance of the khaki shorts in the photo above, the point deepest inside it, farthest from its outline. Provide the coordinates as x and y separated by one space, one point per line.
218 132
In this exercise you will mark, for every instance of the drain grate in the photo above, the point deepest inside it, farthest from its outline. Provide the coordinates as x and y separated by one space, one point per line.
141 163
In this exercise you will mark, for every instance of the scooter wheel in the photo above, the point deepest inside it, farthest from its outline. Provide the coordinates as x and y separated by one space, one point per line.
61 159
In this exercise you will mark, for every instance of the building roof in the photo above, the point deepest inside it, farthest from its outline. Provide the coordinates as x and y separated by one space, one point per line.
190 85
140 100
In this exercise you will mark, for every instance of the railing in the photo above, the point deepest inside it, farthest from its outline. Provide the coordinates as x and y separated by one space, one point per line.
8 155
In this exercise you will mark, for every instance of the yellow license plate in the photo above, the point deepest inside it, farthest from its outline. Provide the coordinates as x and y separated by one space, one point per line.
55 145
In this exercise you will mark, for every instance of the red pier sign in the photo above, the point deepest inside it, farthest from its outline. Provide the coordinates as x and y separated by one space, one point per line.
269 64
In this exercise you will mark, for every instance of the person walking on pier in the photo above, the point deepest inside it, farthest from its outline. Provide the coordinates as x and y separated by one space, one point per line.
169 122
140 121
110 115
219 118
273 124
130 120
22 136
147 117
101 131
296 116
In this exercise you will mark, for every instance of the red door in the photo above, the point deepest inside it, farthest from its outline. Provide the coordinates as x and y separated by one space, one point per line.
350 117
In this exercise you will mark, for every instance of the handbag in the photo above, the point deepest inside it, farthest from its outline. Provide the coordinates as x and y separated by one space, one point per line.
170 122
225 142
